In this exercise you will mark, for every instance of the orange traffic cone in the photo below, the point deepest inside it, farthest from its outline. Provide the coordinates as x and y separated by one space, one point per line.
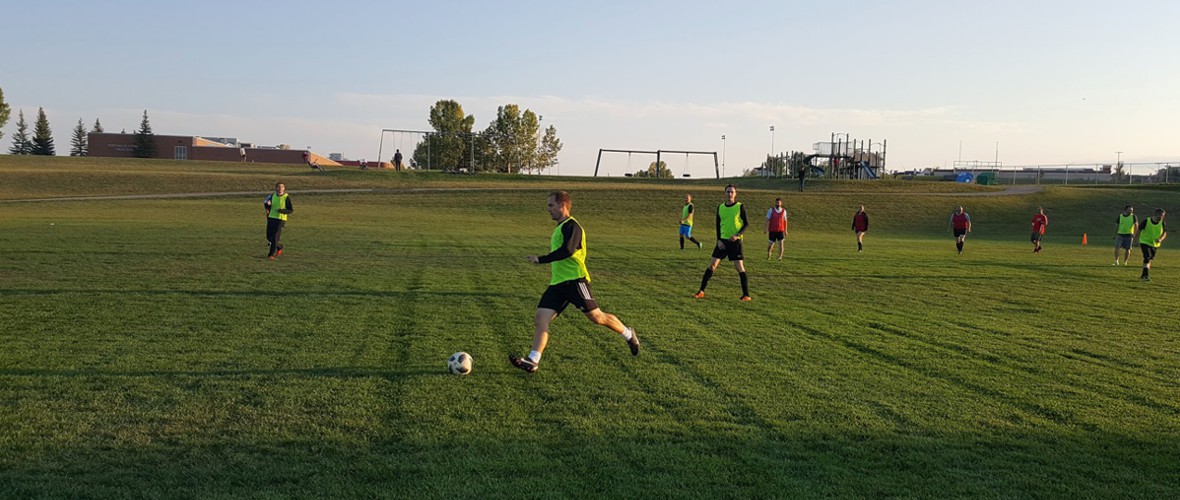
1083 239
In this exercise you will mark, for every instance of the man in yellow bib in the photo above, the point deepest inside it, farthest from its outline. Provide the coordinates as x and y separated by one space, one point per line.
277 207
1151 233
570 284
1124 234
731 223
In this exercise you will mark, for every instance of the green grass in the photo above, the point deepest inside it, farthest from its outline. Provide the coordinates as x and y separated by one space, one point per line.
150 350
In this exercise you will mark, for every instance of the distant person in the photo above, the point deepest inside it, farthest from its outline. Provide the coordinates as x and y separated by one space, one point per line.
961 223
569 284
731 223
686 213
397 160
1039 221
1152 232
802 173
242 152
776 228
860 226
364 164
1124 234
277 206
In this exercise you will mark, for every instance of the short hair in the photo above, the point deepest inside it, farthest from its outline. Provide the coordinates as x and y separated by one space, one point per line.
562 198
277 184
731 186
1160 212
1128 206
778 199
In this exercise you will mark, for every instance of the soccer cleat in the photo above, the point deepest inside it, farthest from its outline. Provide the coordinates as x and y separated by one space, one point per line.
522 363
279 252
633 343
698 245
1115 263
271 257
699 295
746 298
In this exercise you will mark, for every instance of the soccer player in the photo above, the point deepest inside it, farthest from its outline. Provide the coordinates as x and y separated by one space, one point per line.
731 223
570 284
860 225
1151 232
686 222
1039 221
776 228
277 206
961 223
1124 233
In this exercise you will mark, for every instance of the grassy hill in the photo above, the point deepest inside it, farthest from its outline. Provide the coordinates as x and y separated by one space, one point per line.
149 348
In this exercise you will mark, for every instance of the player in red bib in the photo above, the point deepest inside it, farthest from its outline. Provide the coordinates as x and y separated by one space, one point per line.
961 223
776 227
1039 221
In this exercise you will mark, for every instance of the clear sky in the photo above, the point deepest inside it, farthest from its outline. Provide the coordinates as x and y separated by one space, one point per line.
1049 81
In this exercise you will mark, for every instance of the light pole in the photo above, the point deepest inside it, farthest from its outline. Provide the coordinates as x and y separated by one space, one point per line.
771 147
1119 162
723 155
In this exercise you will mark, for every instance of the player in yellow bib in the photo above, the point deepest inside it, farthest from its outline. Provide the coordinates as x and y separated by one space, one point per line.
686 222
1124 234
277 207
731 223
569 284
1151 233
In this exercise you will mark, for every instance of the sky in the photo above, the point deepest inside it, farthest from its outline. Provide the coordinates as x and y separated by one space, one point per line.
1044 82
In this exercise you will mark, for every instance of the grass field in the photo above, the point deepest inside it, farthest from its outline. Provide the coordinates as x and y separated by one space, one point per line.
150 350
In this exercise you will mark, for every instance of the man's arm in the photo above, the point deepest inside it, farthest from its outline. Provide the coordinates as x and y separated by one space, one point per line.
290 207
719 223
745 222
571 233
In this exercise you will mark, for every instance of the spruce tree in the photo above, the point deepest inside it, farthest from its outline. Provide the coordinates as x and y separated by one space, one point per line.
97 127
21 145
4 113
42 136
145 143
78 146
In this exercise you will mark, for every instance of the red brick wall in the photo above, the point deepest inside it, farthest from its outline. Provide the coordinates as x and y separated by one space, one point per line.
122 145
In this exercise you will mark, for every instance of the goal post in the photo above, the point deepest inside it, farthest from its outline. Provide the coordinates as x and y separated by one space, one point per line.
659 153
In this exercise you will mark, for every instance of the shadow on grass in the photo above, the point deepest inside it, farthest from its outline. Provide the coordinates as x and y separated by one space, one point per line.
257 293
744 464
322 372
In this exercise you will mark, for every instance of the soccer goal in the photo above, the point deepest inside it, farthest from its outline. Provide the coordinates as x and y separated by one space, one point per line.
663 157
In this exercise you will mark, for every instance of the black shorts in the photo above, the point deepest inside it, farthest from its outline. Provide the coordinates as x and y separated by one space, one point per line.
960 232
733 251
777 236
576 292
1123 241
1148 252
1036 236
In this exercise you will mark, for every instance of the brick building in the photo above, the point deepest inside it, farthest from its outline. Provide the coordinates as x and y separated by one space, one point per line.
180 147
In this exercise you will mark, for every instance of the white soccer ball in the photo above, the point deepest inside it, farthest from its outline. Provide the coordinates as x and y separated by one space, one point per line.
459 364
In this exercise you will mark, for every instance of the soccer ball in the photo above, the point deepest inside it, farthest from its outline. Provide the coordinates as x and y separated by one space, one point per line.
459 364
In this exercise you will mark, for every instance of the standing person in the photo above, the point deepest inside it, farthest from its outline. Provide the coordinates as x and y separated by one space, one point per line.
860 226
731 223
1151 232
278 206
1124 234
802 173
364 164
776 228
570 284
1039 221
397 160
686 222
961 223
242 152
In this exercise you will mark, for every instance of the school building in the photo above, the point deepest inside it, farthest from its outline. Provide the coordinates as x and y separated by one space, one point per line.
183 147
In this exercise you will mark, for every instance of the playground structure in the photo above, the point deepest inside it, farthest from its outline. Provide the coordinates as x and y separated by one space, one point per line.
846 158
659 153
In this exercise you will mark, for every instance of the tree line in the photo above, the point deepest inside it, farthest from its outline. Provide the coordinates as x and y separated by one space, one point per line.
513 142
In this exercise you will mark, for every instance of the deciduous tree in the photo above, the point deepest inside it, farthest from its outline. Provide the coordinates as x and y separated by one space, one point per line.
449 146
5 112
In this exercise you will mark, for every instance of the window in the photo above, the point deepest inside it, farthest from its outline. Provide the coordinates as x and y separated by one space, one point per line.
180 152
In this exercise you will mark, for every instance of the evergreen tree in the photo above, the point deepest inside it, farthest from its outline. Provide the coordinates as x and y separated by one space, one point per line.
4 112
42 136
78 146
97 127
21 145
145 141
